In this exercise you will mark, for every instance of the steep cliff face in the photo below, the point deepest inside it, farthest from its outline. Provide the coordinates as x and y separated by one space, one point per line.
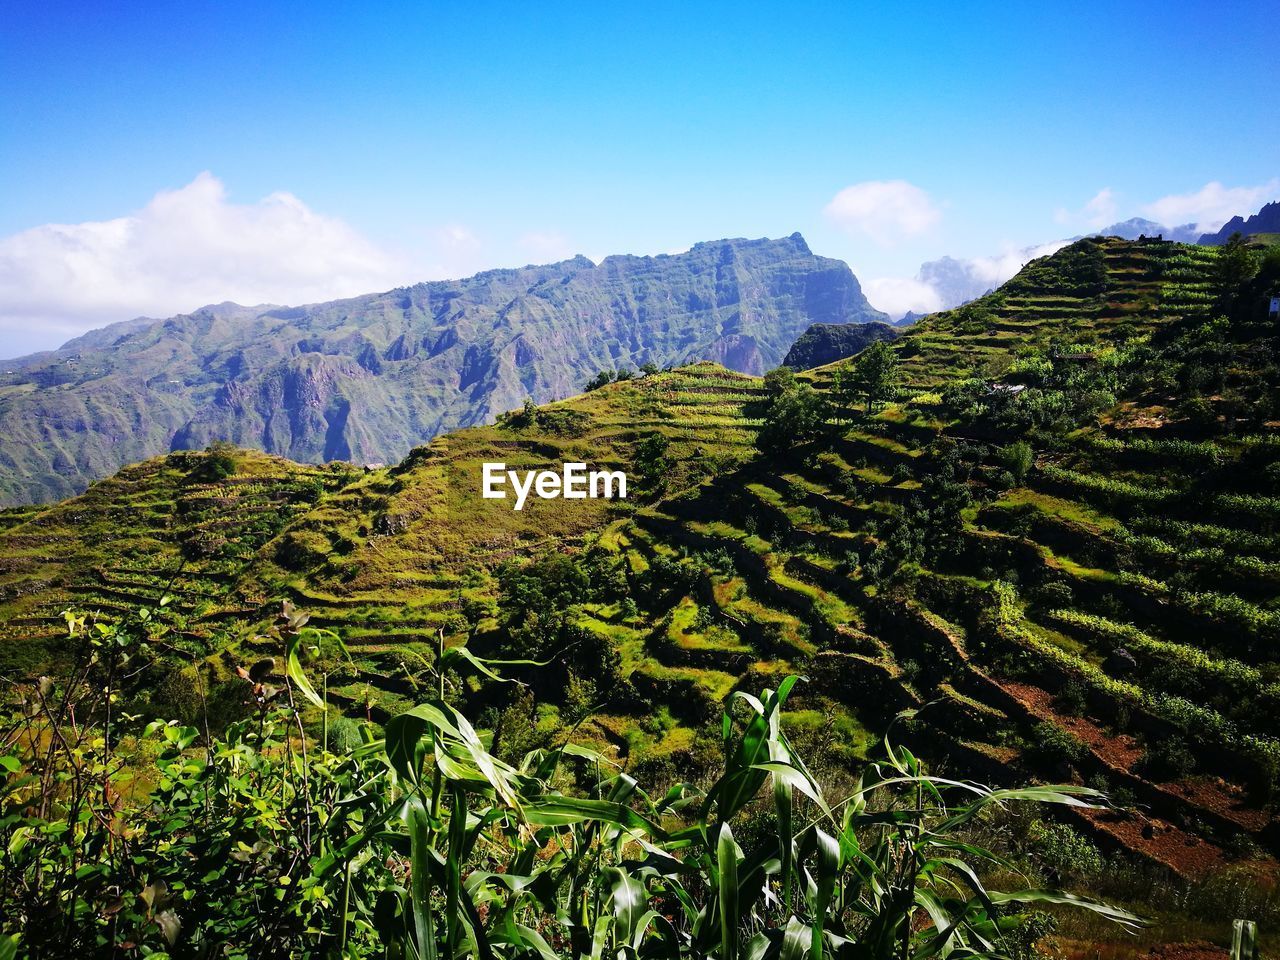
370 377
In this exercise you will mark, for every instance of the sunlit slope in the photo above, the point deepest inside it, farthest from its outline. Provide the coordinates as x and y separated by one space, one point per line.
1100 606
171 526
1111 616
1096 292
384 556
403 554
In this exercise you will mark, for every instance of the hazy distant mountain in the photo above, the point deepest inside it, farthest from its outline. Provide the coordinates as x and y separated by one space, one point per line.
958 281
366 379
1136 227
955 281
1266 220
825 343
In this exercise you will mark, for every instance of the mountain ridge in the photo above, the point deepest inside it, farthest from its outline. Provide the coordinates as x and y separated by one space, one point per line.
367 378
1266 220
825 343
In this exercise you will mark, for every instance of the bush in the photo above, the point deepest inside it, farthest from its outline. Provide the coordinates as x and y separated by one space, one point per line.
1071 699
1051 745
217 463
1067 854
1055 593
343 735
1168 759
1017 458
301 549
796 416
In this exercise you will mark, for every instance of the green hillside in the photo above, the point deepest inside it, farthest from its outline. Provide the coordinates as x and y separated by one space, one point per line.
1059 541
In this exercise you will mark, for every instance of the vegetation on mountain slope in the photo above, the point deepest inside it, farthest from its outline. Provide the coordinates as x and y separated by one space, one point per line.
271 840
1057 538
366 379
825 343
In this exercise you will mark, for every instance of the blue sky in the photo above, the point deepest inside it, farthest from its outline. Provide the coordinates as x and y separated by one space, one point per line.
435 139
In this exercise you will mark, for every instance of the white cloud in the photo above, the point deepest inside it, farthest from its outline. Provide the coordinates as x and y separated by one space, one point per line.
898 295
1098 212
455 236
995 270
186 248
1101 210
884 210
1212 205
949 281
546 246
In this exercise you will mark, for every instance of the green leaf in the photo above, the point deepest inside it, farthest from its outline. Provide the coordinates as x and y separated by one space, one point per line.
405 731
1122 917
628 900
453 870
419 823
828 874
452 654
728 855
796 938
560 811
293 668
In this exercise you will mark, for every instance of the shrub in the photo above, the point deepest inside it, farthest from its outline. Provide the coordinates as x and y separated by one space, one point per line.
1017 458
343 735
1065 852
1071 699
301 549
1050 744
1168 759
217 463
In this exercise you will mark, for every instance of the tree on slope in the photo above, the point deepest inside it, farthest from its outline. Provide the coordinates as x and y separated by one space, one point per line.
797 415
875 374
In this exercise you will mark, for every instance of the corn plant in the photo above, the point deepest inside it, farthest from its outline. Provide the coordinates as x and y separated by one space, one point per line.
422 844
504 865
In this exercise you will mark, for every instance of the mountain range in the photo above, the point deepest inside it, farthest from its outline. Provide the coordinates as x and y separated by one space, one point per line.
1266 220
366 379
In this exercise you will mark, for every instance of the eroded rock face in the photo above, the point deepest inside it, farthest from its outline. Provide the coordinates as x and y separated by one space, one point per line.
368 378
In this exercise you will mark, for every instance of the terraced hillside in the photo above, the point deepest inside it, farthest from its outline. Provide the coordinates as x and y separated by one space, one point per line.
387 557
1059 543
188 527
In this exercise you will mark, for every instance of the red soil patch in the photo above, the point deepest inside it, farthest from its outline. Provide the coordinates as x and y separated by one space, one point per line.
1228 800
1120 750
1223 798
1199 950
1193 950
1158 840
1149 836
